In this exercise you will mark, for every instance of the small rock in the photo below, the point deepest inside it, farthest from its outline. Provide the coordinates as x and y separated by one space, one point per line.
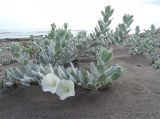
138 65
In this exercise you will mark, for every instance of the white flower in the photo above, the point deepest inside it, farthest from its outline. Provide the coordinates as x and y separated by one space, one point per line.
50 83
65 89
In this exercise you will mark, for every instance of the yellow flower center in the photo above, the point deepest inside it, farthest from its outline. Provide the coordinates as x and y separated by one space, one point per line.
53 83
65 89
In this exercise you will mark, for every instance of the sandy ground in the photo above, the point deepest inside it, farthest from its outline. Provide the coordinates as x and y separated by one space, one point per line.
136 95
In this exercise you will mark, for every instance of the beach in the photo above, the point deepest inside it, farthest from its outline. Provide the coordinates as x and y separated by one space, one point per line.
136 95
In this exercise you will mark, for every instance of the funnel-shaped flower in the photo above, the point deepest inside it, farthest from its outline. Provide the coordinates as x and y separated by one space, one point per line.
65 89
50 83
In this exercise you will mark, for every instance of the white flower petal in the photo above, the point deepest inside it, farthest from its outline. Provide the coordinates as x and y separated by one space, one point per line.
65 89
50 83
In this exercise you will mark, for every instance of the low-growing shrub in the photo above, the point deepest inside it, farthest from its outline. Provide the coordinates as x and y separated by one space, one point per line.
99 75
61 80
59 47
106 36
145 44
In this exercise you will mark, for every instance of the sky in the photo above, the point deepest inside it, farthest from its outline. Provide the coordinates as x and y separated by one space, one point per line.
79 14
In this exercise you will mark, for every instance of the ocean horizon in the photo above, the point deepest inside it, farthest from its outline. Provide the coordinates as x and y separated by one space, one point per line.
26 34
18 34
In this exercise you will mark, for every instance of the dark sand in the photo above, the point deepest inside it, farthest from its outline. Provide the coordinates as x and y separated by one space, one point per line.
136 95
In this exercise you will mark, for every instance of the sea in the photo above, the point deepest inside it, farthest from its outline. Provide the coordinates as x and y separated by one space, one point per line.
26 34
12 35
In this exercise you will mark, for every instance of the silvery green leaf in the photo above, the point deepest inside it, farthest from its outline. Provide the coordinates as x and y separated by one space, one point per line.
101 69
18 73
89 86
6 75
11 71
80 76
49 68
73 68
38 75
72 78
110 71
115 72
9 84
27 79
107 56
93 69
102 79
91 78
100 61
83 75
15 47
61 73
10 75
42 70
28 70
